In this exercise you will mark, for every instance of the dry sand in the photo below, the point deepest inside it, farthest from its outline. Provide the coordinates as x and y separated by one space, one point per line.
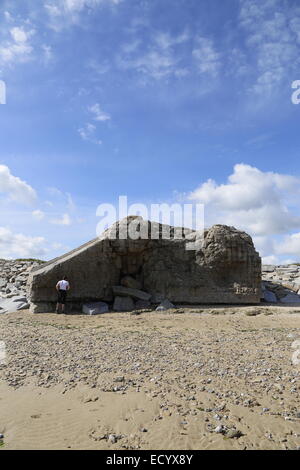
152 381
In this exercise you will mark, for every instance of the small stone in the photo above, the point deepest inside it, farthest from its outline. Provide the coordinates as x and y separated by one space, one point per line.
119 379
144 430
112 438
220 429
234 433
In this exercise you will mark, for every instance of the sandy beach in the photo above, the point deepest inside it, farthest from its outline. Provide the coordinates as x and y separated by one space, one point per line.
197 378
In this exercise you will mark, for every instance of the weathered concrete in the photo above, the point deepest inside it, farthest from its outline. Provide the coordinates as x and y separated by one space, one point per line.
221 267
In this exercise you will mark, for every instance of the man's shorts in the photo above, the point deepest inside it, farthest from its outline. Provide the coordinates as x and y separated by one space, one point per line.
62 294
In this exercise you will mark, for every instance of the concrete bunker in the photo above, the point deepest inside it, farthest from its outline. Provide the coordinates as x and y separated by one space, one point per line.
220 266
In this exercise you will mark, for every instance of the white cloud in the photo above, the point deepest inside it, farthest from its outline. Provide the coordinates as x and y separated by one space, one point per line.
208 60
64 220
48 54
70 204
18 47
165 40
62 12
38 215
290 245
17 190
88 133
20 246
252 200
99 115
19 35
272 34
162 58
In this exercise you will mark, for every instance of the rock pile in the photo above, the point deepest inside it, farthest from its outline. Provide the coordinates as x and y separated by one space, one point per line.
281 283
13 281
127 299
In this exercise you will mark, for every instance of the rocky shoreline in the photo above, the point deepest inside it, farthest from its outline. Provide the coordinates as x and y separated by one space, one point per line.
281 284
13 284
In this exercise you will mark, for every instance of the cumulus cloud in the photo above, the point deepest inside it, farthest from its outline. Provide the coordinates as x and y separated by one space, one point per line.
16 189
289 245
20 246
251 199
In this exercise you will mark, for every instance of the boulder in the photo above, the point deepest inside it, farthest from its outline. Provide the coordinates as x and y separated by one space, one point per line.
95 308
140 304
270 296
128 292
123 304
268 268
13 304
291 298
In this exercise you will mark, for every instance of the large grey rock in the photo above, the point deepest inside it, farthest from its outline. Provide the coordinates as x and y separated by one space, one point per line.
290 298
95 308
270 296
268 268
123 304
140 304
224 268
128 292
13 304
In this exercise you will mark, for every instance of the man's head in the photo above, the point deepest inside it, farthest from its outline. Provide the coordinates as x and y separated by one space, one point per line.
65 278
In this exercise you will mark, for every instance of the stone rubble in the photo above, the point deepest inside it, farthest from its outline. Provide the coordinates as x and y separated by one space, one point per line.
13 284
281 284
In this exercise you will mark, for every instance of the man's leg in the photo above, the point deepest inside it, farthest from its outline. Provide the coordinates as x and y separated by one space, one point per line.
57 307
62 308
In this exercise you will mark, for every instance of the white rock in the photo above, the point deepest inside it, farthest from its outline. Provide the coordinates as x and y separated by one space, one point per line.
268 268
95 308
165 305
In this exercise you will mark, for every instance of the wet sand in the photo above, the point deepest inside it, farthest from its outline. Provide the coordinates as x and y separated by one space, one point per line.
203 378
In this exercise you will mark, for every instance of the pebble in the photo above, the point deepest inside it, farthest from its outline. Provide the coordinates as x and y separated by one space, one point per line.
112 438
234 433
220 429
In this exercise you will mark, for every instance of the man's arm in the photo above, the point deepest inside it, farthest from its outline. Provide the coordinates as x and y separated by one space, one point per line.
57 286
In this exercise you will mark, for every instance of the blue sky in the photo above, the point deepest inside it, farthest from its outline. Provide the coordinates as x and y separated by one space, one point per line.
160 100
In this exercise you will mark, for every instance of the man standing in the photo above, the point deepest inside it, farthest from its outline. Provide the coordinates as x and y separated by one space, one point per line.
62 287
